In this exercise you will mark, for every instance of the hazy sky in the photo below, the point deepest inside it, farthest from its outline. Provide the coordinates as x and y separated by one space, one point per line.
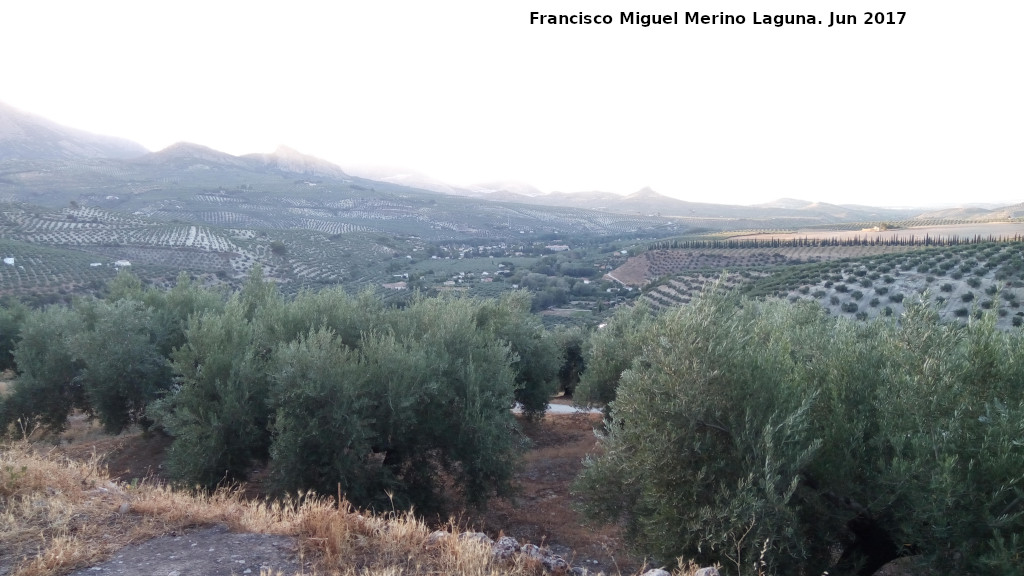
925 112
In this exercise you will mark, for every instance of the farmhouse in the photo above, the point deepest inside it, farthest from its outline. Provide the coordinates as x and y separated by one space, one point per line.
395 285
9 261
122 263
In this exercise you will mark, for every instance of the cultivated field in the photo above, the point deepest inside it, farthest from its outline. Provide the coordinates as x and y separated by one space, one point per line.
960 281
917 232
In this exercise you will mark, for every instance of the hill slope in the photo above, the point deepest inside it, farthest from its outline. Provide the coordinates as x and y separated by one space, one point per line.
29 137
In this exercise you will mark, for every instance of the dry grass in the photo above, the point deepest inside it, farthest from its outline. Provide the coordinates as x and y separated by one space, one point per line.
58 514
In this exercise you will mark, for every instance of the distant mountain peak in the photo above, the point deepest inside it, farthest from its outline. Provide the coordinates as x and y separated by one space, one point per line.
787 203
645 192
25 136
506 187
189 152
289 159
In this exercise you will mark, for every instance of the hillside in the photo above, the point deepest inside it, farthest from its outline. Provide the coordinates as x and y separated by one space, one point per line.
28 137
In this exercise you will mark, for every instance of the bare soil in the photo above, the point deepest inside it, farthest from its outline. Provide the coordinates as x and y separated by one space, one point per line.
212 551
542 511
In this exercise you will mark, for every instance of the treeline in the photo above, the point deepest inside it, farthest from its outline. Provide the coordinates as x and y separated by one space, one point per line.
745 431
926 240
324 388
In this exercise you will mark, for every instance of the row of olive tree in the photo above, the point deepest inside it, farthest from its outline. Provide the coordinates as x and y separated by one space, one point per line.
745 431
105 357
327 388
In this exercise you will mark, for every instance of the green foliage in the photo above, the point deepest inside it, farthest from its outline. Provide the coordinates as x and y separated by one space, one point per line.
339 389
172 310
323 433
570 342
219 416
610 351
709 437
47 388
12 315
278 248
742 424
122 368
124 286
538 358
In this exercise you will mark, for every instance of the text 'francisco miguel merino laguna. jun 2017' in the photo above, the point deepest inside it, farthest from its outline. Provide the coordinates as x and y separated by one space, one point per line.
777 20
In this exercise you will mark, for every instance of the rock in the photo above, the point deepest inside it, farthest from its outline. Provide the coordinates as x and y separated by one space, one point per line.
711 571
551 562
532 551
579 571
505 548
555 564
657 572
476 536
436 539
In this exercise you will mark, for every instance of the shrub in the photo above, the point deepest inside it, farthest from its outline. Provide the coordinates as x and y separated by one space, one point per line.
967 296
947 287
220 415
609 352
122 369
856 294
748 426
874 303
896 297
841 288
45 392
395 415
12 315
973 282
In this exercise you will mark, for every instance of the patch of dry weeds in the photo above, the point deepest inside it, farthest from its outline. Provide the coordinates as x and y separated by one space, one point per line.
58 514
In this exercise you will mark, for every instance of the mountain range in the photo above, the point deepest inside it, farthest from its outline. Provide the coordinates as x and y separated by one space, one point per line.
28 142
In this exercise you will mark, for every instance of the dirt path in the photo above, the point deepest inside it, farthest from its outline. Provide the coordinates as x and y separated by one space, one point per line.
206 552
542 510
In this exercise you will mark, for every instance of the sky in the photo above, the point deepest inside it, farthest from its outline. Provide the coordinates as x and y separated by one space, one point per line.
927 112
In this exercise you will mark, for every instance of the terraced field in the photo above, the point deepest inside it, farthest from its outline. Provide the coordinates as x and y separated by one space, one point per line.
960 281
654 264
